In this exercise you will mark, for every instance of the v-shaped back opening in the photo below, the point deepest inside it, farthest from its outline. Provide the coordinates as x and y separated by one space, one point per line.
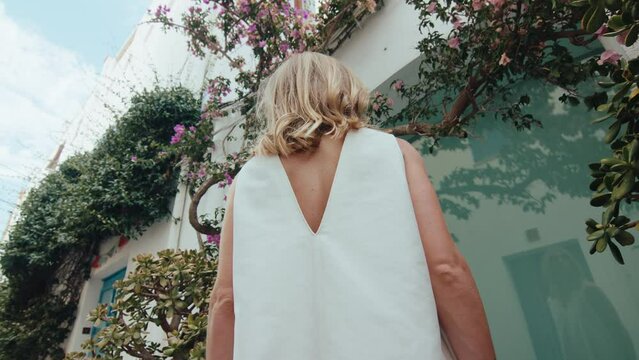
327 207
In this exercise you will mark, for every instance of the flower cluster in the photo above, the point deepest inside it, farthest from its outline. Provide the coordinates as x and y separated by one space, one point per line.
179 133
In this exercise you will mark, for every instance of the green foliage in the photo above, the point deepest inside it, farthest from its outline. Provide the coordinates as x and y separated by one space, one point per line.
615 177
122 186
170 291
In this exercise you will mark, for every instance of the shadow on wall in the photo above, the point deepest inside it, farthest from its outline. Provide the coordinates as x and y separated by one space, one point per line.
527 168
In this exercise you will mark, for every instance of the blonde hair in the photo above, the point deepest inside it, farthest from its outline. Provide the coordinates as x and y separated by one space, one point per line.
310 94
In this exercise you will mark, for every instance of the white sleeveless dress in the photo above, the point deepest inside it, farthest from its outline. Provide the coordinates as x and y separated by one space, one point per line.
358 289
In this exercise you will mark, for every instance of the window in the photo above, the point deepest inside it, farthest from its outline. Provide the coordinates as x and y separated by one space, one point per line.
107 296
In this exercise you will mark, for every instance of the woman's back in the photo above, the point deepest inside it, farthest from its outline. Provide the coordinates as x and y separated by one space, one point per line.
349 283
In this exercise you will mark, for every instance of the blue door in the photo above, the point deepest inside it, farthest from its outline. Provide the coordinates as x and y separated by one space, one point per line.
107 296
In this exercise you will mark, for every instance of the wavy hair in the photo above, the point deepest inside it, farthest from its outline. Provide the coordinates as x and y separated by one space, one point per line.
310 94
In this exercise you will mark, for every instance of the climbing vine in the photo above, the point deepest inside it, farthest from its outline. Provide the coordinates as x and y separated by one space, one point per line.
120 188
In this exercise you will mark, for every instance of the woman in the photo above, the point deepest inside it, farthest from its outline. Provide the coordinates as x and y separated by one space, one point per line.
334 246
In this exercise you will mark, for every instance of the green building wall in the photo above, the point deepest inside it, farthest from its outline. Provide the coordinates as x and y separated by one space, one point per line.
515 203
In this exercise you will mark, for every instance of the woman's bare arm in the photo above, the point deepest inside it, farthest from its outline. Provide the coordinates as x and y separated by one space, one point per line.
459 307
221 321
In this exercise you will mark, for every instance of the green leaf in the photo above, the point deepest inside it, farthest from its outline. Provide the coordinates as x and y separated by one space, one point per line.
597 19
621 93
616 253
625 238
621 220
613 131
634 149
600 199
624 187
632 36
601 244
616 23
579 3
611 161
594 185
607 215
587 16
603 107
593 248
595 235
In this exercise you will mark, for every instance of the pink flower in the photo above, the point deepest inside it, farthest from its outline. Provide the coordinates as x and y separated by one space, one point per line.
478 4
201 172
457 23
262 43
497 3
134 158
398 85
229 179
621 38
390 102
179 132
504 60
602 29
284 47
609 57
375 107
432 6
454 42
213 239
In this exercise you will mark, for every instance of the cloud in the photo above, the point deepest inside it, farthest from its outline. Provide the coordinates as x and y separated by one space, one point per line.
42 88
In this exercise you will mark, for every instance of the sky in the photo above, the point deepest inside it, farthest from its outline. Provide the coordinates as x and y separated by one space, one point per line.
51 53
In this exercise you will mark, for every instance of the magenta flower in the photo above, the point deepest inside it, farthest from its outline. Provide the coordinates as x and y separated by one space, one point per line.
262 43
454 42
609 57
179 132
284 47
213 239
229 179
497 3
